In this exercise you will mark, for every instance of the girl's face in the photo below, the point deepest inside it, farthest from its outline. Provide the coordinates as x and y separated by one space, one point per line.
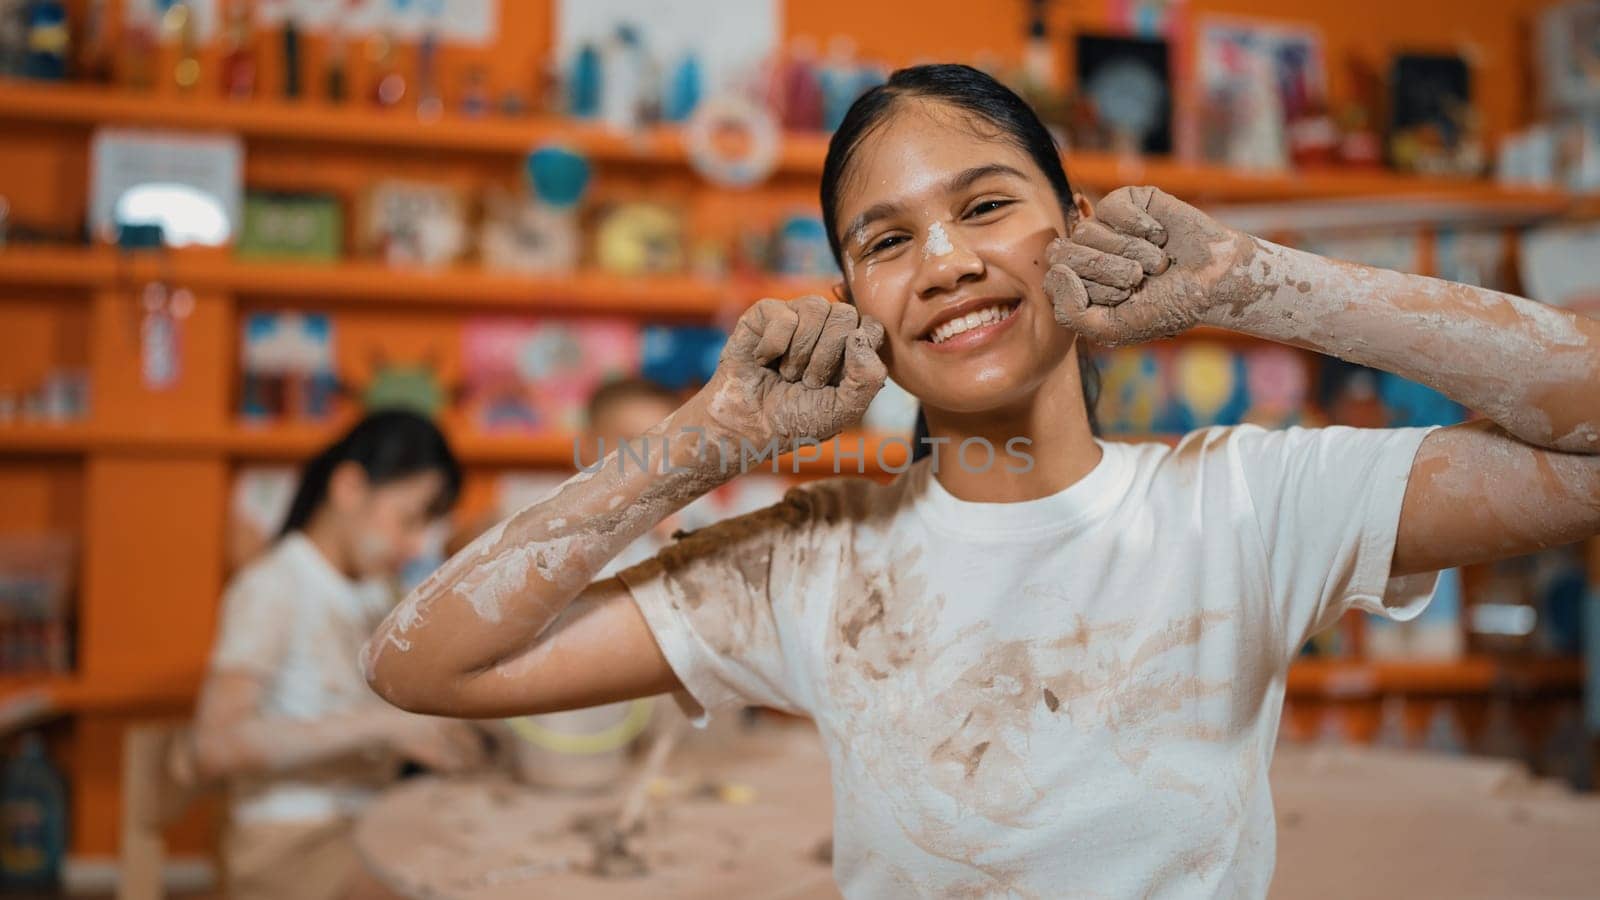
388 523
944 229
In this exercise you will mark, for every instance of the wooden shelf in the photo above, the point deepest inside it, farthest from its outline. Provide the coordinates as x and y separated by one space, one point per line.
27 438
800 154
1353 679
311 121
27 697
357 283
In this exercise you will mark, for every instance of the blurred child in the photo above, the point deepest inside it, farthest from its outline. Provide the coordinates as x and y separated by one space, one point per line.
588 748
285 715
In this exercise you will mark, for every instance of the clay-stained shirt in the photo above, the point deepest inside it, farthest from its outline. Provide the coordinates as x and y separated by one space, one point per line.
1071 696
297 623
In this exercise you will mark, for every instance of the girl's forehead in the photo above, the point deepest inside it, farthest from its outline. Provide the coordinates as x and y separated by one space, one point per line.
917 150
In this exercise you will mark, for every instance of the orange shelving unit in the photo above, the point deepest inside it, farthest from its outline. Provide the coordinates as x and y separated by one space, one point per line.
801 154
146 480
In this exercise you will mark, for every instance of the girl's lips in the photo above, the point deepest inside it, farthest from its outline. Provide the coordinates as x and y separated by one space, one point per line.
974 337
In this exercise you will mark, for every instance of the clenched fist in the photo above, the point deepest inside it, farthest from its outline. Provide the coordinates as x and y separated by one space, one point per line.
1147 266
797 370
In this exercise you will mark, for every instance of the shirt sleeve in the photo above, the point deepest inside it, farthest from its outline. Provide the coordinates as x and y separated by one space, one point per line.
1327 502
253 628
726 603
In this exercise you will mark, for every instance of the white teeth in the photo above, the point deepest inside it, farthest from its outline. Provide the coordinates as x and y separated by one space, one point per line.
986 316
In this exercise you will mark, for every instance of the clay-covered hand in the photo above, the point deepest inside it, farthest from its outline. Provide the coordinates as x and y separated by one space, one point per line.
442 745
1147 266
792 371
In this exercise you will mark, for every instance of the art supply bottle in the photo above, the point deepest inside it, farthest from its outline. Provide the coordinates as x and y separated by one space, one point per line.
179 27
475 100
622 59
33 818
683 93
96 51
239 60
48 41
583 90
291 58
839 78
802 91
336 65
139 59
430 101
390 88
1038 57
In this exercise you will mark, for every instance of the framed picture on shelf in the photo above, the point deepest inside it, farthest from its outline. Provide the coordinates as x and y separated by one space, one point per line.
1569 57
536 376
1128 83
1255 77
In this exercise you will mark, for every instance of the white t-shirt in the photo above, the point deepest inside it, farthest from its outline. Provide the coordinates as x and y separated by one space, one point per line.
294 620
1071 696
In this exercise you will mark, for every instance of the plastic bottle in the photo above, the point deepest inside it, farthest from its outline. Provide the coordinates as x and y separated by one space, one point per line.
33 818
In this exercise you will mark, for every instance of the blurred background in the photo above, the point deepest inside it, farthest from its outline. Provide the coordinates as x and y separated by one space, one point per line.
229 228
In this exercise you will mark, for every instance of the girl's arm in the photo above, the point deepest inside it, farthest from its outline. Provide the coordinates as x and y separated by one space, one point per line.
232 737
1478 491
496 631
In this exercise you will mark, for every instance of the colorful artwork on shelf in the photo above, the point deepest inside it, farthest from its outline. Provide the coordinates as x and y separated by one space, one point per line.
680 356
1277 382
802 249
1174 390
1128 81
37 585
537 375
1255 78
286 367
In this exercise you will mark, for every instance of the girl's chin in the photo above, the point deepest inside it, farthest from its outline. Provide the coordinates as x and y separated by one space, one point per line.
975 395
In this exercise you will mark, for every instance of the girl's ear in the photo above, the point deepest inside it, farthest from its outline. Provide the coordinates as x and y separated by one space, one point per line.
347 486
841 293
1083 206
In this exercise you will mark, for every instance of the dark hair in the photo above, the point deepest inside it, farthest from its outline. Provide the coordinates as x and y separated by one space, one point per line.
626 388
388 445
982 98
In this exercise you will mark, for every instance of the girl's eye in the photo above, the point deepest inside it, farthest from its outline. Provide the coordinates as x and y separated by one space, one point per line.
886 243
988 206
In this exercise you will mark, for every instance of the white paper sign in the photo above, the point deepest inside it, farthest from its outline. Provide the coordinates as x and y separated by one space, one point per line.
731 38
455 21
147 15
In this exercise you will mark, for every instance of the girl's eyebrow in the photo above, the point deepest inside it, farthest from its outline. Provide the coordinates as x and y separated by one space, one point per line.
958 182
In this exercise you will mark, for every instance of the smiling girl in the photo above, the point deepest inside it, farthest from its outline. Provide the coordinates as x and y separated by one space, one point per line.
1055 679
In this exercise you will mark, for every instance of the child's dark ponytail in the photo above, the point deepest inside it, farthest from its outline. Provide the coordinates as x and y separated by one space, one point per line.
389 446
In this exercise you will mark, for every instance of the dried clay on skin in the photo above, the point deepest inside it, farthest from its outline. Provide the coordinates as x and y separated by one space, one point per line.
490 605
1529 367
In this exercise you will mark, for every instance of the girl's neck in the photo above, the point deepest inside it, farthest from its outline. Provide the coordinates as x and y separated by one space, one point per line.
324 535
1063 447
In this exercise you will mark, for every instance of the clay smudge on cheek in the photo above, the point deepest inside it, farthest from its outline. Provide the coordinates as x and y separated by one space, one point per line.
937 242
